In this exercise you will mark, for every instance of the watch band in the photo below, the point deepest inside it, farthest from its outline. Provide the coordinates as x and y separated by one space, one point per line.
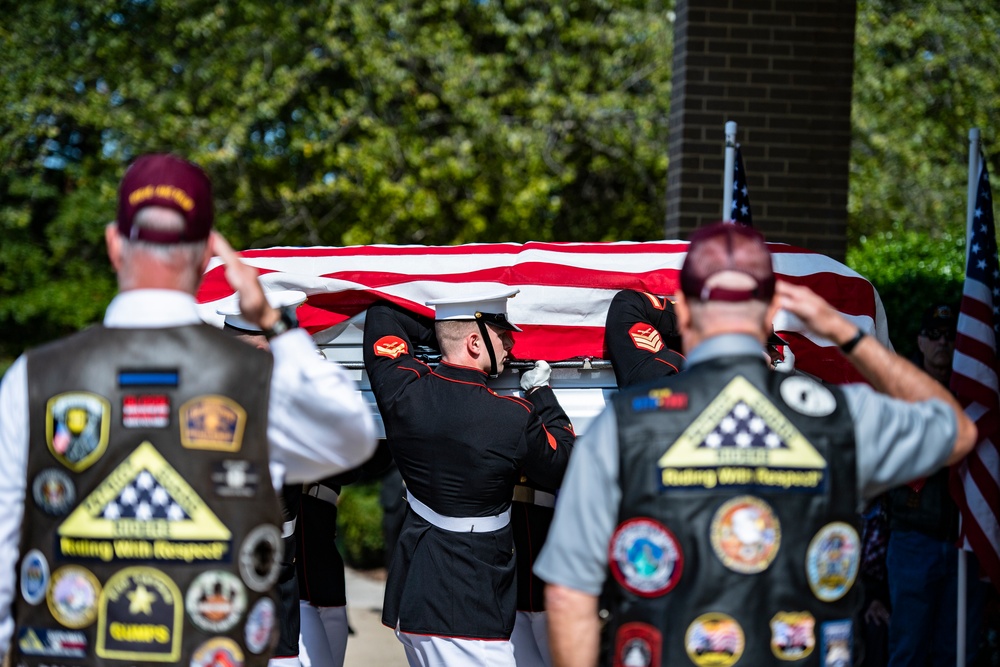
286 321
849 346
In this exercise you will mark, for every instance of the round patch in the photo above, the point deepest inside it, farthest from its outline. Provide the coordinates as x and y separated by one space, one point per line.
833 560
260 625
72 596
807 396
645 557
637 645
746 534
793 635
218 652
260 557
714 640
53 491
34 577
215 601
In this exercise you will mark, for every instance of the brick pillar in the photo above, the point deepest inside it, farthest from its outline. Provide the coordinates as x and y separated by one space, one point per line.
782 69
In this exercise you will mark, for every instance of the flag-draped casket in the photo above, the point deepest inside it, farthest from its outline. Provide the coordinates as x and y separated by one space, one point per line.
565 289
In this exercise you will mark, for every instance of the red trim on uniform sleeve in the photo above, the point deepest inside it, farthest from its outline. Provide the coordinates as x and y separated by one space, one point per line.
552 440
676 370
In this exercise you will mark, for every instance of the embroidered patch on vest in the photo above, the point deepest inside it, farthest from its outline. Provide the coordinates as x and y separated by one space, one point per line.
645 337
793 635
34 576
638 645
390 346
215 601
260 630
741 440
218 652
260 557
714 640
235 479
212 422
745 534
645 557
835 644
76 428
149 377
660 399
145 411
141 617
72 596
52 643
807 396
53 491
833 560
144 510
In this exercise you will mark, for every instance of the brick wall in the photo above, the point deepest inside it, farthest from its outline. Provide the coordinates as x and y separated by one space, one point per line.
782 69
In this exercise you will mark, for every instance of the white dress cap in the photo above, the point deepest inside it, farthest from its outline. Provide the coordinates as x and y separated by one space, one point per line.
491 308
277 299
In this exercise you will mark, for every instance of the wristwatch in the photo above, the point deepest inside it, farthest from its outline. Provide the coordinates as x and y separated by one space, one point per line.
286 321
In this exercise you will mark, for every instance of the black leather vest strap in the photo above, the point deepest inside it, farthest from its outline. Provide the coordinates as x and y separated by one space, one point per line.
152 531
737 538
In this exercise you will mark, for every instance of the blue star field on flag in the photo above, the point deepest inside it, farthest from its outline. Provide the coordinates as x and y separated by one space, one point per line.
740 212
983 245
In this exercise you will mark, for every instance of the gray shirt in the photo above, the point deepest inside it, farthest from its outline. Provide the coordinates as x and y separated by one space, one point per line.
896 442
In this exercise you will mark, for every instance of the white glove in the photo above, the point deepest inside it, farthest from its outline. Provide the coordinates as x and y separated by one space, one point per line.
537 376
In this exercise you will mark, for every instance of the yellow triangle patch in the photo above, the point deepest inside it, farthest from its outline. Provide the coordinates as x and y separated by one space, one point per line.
144 498
742 439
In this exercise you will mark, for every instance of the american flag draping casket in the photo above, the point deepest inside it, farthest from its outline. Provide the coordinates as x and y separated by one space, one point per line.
566 289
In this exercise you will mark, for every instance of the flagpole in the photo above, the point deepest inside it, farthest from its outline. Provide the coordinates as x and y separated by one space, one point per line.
961 619
727 188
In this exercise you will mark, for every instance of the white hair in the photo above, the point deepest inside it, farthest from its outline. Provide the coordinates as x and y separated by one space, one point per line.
183 258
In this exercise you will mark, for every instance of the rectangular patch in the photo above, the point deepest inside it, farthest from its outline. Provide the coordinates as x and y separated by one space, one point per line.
149 377
146 411
836 642
52 643
235 479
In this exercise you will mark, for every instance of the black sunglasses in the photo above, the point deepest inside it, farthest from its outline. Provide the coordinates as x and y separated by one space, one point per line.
935 334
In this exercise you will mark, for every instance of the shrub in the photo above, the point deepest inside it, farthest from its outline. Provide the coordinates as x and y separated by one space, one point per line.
359 526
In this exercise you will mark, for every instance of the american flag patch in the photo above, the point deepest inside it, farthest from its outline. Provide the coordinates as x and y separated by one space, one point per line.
146 411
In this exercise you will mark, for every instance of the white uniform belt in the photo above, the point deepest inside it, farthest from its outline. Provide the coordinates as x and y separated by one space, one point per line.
322 492
288 528
471 524
526 494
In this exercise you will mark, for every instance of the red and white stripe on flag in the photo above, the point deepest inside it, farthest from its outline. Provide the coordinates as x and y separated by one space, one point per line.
566 288
975 482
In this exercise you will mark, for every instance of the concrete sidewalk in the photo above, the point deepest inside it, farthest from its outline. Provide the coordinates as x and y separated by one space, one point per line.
372 644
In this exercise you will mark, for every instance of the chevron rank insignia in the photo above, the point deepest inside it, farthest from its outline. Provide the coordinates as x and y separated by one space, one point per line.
646 337
390 346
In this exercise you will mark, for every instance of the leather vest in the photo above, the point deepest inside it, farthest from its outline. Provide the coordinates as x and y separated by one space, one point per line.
737 538
151 531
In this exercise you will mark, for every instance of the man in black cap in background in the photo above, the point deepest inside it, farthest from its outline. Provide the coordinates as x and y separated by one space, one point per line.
460 448
922 559
141 456
725 529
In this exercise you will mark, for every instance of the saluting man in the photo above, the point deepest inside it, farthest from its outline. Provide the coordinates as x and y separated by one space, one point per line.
460 448
725 531
138 517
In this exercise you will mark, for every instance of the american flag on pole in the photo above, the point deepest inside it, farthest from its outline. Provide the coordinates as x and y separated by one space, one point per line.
566 289
975 482
741 212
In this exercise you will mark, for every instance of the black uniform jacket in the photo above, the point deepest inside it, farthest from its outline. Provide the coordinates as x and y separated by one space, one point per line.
641 338
460 448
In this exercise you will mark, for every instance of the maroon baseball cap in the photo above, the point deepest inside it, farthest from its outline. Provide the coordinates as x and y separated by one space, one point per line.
160 179
727 262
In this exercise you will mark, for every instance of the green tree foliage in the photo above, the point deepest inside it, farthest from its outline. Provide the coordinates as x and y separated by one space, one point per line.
329 122
911 270
925 73
359 521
